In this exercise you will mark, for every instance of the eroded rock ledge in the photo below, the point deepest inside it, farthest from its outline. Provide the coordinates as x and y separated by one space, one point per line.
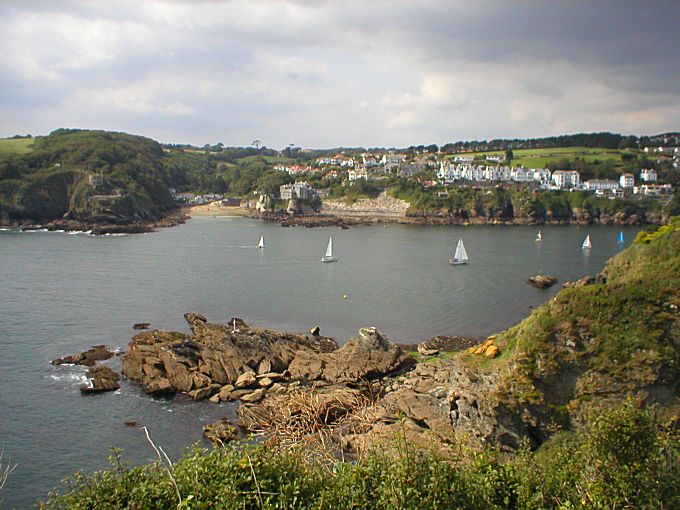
266 371
239 362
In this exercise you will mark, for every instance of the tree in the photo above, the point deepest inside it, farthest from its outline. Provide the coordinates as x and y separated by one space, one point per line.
256 143
509 155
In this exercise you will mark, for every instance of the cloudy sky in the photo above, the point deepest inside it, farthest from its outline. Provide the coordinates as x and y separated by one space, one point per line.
339 73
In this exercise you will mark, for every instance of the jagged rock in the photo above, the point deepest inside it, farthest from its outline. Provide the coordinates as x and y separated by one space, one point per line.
274 376
425 351
582 282
265 366
225 392
253 396
88 358
367 356
542 281
221 431
160 387
200 393
246 379
101 378
265 382
214 354
215 399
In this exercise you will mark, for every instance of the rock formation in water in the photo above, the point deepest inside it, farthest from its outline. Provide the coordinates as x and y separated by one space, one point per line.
87 358
238 362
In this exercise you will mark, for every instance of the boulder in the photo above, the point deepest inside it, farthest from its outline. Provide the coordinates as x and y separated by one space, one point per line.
369 355
265 382
225 392
542 281
101 378
221 431
160 387
200 393
245 379
88 358
423 350
253 396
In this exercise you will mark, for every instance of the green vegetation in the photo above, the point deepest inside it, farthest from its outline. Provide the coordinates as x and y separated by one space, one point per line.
518 202
9 146
617 336
53 179
627 458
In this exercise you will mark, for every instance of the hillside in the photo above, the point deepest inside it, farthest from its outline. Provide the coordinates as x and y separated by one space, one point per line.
92 176
599 341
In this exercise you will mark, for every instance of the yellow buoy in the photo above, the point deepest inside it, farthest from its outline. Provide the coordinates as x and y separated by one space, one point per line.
345 296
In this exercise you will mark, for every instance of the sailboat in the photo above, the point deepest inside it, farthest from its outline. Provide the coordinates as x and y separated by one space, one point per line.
620 238
261 243
329 252
460 256
586 243
539 237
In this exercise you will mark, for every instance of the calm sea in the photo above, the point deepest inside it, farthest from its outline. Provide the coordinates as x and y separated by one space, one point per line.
61 293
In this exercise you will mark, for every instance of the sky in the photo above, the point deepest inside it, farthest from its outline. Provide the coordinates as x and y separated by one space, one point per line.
327 73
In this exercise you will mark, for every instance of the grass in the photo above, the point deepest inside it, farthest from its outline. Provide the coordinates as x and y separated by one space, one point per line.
9 146
539 158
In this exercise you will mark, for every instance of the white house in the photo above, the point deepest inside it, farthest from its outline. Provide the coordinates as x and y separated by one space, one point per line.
521 174
463 159
648 175
564 179
357 173
627 181
601 185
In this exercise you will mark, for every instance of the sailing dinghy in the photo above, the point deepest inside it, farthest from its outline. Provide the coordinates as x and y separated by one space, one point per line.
328 257
460 256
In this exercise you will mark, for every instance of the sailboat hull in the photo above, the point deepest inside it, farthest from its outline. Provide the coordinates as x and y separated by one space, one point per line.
329 259
457 262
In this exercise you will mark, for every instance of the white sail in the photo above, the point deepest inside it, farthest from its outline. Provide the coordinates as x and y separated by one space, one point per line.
586 243
329 252
539 237
261 243
460 256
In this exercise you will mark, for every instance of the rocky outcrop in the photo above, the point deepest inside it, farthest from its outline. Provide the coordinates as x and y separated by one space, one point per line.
220 432
215 359
87 358
542 281
100 379
367 356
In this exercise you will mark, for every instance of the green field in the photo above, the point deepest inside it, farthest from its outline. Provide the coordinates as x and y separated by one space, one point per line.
539 158
10 146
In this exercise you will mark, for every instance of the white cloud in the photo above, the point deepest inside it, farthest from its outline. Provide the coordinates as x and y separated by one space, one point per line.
328 73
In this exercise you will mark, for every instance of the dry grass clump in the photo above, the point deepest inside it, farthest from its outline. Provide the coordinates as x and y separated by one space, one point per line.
314 423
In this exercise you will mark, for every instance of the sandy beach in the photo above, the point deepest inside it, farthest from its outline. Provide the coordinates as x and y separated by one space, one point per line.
215 210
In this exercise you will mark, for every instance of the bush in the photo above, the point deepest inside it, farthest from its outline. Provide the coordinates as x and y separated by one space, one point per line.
627 458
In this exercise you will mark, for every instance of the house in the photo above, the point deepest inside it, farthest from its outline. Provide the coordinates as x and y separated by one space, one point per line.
564 179
463 159
601 185
653 190
390 161
648 175
627 181
300 190
357 173
410 169
369 160
495 159
542 175
521 174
